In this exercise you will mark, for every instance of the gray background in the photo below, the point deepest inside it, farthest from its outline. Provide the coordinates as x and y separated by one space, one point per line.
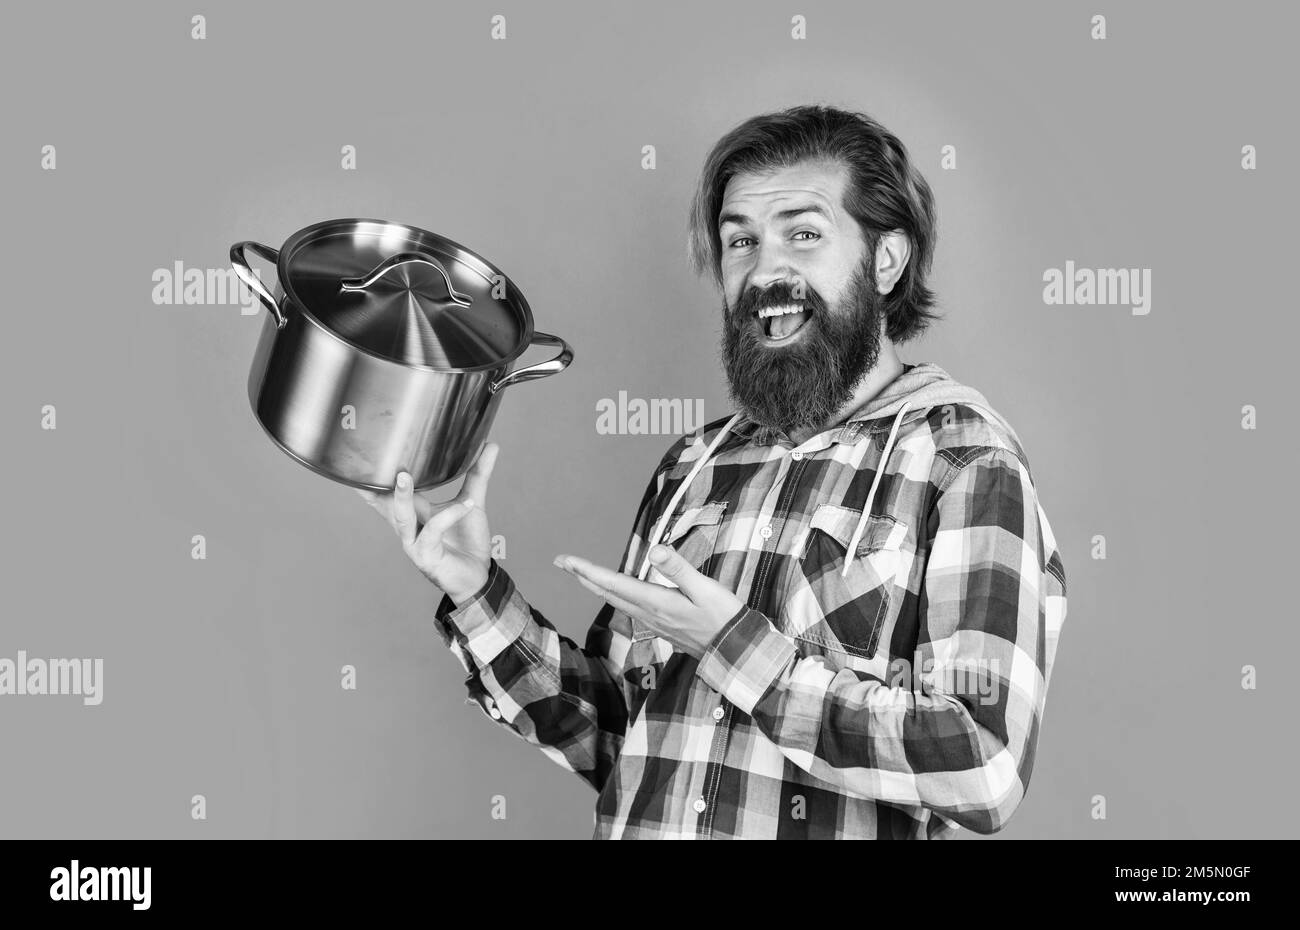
222 676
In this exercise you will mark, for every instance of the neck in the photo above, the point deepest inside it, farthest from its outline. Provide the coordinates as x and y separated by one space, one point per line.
888 367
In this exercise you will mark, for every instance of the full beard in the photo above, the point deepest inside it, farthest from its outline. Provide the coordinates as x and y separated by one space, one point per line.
804 385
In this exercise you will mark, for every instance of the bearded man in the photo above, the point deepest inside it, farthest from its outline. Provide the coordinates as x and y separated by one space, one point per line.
838 608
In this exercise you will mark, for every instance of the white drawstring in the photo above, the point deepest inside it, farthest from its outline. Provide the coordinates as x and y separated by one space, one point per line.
708 453
871 495
681 489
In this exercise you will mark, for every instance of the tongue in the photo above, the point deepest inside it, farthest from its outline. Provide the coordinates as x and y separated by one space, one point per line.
787 323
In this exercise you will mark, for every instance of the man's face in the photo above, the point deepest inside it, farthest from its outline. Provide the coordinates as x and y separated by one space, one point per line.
787 243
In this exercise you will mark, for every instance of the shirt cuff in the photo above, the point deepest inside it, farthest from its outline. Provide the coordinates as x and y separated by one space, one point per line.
489 621
446 607
746 658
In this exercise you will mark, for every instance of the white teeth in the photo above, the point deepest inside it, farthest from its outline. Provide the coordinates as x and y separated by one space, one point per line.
778 311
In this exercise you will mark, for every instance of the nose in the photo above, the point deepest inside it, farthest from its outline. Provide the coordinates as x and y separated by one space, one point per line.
772 264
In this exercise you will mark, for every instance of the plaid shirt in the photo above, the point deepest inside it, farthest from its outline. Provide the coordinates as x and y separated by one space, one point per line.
897 696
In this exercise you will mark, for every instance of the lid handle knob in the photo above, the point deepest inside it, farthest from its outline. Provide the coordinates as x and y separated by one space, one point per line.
405 258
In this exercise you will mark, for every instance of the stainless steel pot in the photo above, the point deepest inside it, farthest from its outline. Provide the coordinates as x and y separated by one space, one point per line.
387 349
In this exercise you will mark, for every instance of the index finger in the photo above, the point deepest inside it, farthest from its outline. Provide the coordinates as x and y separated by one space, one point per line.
424 509
644 594
403 515
476 482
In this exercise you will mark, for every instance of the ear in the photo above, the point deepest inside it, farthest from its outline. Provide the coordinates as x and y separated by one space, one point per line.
892 252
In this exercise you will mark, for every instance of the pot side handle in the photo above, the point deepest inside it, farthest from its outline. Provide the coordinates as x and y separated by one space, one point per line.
541 369
253 281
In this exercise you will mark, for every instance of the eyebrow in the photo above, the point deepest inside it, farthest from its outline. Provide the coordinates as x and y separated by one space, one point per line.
742 220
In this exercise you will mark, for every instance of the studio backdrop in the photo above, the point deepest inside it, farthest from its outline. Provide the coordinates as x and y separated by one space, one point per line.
265 658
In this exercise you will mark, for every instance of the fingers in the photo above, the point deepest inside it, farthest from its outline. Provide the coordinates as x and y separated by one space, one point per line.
424 509
613 599
644 596
476 482
445 518
403 516
385 503
680 572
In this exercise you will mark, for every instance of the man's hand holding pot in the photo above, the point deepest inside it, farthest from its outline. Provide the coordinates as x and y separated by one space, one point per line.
449 542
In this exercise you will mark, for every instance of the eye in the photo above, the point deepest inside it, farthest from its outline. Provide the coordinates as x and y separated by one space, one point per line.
810 232
735 244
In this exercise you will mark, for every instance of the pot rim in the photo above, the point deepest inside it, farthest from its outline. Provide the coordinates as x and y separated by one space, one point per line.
298 238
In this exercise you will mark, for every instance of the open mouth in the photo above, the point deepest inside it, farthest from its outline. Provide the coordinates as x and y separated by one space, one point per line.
782 323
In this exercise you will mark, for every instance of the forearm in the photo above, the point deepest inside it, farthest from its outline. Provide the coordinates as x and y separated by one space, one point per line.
949 751
565 699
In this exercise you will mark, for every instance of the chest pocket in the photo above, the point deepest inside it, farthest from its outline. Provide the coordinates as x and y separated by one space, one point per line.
839 613
693 532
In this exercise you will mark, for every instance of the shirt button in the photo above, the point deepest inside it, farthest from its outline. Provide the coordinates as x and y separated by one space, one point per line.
717 713
766 532
699 805
492 709
796 456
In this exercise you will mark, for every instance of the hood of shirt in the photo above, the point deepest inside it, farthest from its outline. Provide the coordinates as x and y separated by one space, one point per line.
922 387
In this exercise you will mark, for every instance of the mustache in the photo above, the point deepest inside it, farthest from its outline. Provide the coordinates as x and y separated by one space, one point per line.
754 299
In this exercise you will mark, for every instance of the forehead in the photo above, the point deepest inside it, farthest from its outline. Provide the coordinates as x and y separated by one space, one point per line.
809 182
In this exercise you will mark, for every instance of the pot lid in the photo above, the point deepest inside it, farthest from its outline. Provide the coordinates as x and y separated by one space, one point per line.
405 294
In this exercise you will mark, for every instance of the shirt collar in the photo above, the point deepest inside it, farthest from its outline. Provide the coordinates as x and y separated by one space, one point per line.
846 433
